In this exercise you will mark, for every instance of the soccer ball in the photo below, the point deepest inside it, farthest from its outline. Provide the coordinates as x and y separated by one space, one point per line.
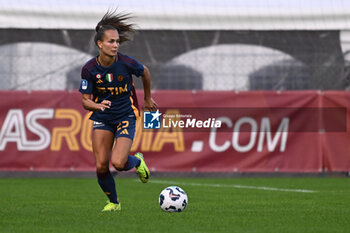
173 199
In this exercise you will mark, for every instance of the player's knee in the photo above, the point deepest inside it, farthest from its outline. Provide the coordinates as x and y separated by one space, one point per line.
118 164
102 167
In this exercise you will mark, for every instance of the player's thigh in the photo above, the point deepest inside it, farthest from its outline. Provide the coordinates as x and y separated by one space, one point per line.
102 143
121 151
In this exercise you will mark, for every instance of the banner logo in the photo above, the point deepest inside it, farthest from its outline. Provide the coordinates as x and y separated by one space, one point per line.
151 120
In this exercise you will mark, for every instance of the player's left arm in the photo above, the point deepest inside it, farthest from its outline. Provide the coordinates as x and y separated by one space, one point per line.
149 103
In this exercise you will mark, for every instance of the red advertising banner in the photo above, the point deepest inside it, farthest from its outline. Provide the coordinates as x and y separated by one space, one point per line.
262 131
238 150
44 131
335 145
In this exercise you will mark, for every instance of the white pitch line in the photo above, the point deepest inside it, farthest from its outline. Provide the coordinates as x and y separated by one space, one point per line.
234 186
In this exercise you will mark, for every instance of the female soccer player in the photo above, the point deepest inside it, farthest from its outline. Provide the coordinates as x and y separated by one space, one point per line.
108 79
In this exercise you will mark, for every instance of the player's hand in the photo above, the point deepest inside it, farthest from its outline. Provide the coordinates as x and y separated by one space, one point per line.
105 104
150 105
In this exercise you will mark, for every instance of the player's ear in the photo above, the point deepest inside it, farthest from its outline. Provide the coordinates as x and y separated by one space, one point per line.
99 44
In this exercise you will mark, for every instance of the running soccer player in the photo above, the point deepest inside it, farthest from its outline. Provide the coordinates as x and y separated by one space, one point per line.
108 79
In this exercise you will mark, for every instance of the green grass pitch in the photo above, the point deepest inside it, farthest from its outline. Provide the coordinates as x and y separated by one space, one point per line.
215 205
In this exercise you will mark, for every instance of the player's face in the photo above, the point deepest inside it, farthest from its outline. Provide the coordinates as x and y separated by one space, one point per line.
110 43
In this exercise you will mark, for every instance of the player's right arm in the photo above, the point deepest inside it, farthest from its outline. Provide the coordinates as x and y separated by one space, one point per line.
86 89
90 105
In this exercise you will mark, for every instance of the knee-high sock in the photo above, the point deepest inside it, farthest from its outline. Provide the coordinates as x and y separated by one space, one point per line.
131 163
107 184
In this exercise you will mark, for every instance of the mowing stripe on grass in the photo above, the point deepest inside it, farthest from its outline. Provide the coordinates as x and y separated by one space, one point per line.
234 186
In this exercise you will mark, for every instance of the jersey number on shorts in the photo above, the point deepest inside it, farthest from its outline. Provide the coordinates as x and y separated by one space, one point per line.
123 125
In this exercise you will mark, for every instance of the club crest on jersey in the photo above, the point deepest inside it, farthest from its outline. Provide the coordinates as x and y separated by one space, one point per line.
120 78
109 77
98 76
